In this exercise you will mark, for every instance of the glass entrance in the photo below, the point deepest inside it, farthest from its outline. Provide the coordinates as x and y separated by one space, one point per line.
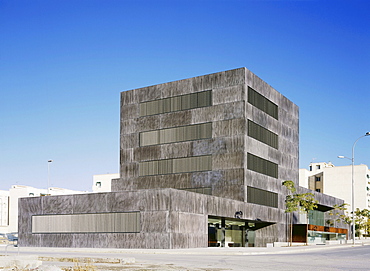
230 233
319 237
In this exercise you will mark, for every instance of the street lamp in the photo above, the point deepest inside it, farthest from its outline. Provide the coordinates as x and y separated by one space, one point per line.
353 184
49 161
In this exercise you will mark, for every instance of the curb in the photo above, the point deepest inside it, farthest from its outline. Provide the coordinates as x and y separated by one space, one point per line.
195 251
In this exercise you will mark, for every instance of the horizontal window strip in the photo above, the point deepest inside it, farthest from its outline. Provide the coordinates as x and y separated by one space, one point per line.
128 222
177 103
262 103
262 134
178 134
262 197
262 166
178 165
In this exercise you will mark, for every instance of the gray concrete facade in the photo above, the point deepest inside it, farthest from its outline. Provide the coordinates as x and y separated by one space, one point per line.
244 141
229 144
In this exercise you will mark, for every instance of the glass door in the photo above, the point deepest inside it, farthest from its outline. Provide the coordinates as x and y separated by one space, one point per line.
229 233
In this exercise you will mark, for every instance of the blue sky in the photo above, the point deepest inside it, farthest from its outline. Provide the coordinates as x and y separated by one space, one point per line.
64 63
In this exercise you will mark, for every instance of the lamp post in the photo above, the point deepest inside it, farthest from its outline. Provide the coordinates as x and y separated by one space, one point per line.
49 161
353 184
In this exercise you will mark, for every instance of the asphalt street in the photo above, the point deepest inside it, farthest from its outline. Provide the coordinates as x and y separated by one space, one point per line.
339 257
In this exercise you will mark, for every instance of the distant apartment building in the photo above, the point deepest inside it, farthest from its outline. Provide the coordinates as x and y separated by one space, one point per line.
4 211
9 203
337 182
103 182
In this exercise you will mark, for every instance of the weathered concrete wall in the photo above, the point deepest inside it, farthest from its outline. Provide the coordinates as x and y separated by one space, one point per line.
226 145
169 218
229 145
166 222
287 129
154 207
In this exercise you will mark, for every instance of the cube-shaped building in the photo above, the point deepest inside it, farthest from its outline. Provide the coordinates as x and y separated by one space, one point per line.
202 164
228 134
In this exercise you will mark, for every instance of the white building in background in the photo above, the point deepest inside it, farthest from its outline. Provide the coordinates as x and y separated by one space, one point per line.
9 199
337 182
103 182
9 203
4 210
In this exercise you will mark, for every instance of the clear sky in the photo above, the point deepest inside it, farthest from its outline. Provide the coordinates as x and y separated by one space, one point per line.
64 63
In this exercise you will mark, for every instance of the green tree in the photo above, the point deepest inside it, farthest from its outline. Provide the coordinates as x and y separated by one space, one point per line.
291 205
304 202
339 215
361 219
367 227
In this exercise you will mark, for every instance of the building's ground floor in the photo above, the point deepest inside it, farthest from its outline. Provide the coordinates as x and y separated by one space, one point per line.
154 218
316 234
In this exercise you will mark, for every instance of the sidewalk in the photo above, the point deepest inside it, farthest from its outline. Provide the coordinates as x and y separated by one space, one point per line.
44 258
188 251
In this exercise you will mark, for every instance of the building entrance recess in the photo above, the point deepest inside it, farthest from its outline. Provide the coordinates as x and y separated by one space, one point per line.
229 232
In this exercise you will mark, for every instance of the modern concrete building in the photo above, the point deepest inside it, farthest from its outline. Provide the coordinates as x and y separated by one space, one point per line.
337 182
202 164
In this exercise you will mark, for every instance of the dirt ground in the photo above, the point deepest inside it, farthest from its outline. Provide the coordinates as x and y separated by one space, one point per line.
97 264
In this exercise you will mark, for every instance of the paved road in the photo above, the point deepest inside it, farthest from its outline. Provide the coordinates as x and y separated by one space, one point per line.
351 258
356 258
302 259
